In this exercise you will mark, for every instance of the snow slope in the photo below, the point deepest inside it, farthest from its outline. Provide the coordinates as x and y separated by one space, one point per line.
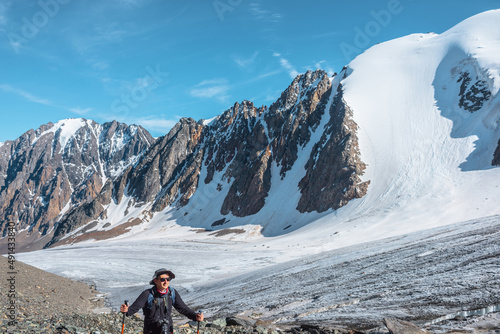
432 185
429 162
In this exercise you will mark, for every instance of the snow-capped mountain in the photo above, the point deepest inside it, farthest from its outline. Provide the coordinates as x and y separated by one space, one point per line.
226 172
47 173
380 185
407 135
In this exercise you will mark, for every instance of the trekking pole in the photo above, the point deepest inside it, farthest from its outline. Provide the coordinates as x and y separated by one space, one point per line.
198 325
123 320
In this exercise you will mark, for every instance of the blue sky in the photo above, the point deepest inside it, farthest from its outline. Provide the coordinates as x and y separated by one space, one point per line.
151 62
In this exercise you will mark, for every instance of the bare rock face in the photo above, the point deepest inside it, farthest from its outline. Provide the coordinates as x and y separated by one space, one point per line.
474 92
271 135
50 171
164 160
179 163
79 216
496 156
295 115
334 167
237 142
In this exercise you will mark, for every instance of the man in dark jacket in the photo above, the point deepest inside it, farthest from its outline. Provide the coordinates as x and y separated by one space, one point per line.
157 302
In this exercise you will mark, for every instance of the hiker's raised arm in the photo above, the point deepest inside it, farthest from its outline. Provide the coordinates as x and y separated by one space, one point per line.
139 303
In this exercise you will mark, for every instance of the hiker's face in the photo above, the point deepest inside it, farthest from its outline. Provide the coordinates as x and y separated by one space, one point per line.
162 285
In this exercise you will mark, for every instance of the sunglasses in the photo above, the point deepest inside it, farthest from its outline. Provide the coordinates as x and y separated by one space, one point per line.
168 279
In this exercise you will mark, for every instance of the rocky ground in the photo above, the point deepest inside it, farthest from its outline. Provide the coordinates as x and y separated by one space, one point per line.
35 301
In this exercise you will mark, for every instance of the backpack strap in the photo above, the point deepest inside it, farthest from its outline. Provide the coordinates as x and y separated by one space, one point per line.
172 295
151 298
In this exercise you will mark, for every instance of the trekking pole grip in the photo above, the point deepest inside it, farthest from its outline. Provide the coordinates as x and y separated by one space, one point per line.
198 324
123 319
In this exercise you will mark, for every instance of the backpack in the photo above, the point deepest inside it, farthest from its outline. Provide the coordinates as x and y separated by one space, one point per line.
151 298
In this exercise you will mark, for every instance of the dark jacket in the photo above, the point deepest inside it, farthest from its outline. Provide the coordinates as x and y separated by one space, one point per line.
157 312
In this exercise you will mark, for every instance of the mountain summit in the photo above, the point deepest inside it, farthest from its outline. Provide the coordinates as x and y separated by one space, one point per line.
407 136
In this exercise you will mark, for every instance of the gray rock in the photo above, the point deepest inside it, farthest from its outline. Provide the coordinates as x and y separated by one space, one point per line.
240 321
334 168
396 326
219 323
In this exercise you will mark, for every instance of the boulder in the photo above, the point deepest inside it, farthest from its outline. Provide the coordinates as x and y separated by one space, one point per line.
396 326
240 321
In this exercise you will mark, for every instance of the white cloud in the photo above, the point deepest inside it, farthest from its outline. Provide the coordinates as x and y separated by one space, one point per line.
32 98
108 34
25 95
80 111
4 7
100 65
263 76
292 72
215 88
84 41
244 62
263 15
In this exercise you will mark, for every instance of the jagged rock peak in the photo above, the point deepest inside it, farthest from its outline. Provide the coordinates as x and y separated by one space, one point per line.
300 87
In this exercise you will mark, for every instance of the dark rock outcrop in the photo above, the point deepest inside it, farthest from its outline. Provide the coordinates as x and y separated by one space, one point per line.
238 143
474 92
334 167
496 156
164 162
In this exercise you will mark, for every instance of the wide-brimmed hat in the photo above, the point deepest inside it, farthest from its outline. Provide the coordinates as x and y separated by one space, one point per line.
160 272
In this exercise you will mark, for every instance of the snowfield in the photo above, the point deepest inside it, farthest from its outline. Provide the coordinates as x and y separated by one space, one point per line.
423 244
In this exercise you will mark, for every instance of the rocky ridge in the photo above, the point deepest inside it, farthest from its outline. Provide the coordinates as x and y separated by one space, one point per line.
244 142
64 177
236 153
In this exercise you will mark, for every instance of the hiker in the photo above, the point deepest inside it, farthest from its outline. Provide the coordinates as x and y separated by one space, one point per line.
157 317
